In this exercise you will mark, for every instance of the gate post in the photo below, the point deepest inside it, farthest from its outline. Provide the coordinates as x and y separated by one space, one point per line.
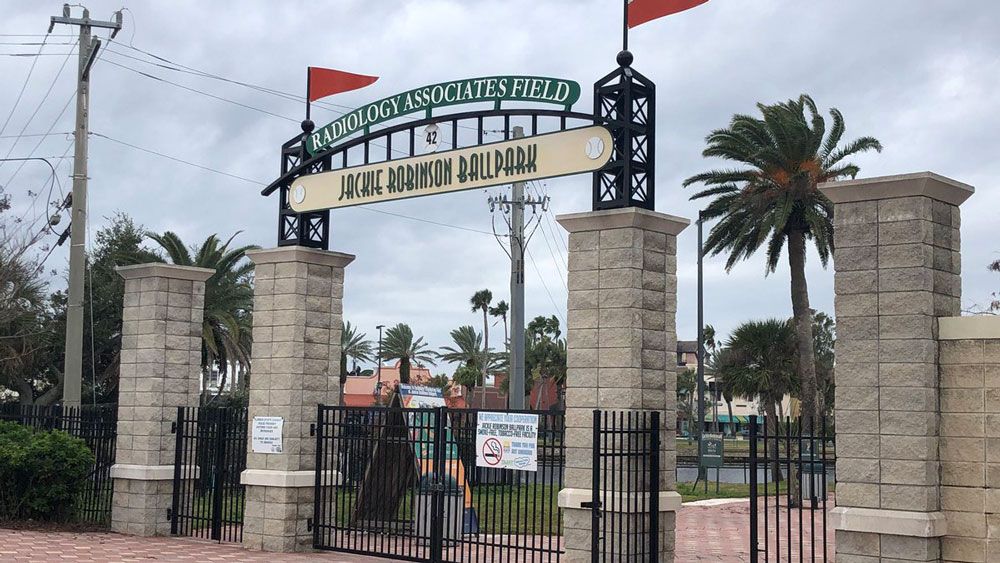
298 310
898 270
621 342
160 371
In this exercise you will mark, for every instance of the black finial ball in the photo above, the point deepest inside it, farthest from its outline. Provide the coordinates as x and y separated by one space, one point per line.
308 126
625 58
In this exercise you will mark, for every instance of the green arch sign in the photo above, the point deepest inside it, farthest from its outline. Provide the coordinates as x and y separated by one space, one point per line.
494 89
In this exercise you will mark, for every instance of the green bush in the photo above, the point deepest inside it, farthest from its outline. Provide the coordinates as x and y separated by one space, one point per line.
41 473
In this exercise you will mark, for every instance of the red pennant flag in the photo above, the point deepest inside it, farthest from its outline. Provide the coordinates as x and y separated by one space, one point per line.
642 11
325 82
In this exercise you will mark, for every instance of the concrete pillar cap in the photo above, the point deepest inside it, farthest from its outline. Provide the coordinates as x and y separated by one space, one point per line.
283 254
161 270
926 184
621 218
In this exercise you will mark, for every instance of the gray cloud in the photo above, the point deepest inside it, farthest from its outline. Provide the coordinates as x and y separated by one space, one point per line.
919 76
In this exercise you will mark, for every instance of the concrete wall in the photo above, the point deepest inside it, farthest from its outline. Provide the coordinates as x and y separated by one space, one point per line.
970 438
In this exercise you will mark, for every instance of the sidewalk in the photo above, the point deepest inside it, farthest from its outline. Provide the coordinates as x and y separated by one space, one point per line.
717 533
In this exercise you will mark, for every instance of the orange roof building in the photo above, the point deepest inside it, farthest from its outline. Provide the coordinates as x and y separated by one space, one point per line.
360 390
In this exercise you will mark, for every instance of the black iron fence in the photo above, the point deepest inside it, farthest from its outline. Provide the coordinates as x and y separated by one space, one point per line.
210 455
95 425
791 468
403 483
625 486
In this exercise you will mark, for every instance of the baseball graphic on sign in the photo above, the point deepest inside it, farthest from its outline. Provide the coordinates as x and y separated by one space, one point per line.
299 193
595 148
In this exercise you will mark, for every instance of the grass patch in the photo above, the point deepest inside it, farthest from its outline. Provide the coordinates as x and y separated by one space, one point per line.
732 490
500 509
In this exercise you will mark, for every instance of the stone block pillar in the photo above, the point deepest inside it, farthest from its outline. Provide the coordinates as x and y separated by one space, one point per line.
160 371
970 437
298 310
898 268
621 346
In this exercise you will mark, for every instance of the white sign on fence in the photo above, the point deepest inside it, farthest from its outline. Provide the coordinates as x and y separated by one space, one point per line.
266 434
507 440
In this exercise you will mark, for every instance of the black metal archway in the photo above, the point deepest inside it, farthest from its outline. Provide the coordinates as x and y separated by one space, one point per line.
624 102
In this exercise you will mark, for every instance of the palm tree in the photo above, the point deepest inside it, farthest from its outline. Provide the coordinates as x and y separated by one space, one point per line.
354 346
773 198
473 361
226 329
725 390
687 385
481 301
758 362
399 344
467 349
500 310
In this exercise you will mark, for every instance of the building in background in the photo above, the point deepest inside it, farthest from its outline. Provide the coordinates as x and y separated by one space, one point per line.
715 404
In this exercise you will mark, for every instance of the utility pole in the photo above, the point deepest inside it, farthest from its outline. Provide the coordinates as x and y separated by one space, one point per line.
518 243
87 47
515 399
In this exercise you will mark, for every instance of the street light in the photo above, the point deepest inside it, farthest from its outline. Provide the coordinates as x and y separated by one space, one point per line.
701 340
378 367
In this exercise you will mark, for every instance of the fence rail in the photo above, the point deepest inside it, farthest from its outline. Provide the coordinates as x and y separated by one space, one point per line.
403 483
790 465
210 454
97 427
625 486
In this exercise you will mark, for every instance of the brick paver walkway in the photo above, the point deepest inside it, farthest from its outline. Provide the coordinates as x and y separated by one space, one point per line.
704 533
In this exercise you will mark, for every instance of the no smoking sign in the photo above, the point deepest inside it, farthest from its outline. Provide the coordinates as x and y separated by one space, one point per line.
492 451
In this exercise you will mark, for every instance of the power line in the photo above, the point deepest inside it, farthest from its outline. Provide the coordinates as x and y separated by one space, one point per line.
35 135
195 90
21 92
400 215
37 108
545 286
42 139
341 109
259 183
176 159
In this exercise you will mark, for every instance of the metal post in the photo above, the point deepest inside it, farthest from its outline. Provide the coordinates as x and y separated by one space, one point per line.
753 489
87 48
701 348
378 368
654 488
515 399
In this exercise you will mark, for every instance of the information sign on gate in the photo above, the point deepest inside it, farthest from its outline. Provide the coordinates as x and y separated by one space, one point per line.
507 440
266 434
711 450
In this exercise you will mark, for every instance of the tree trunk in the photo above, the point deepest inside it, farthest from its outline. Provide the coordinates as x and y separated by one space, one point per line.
772 432
404 370
732 424
802 315
486 344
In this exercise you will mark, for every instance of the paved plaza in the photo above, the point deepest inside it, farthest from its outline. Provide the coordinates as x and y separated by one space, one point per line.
705 533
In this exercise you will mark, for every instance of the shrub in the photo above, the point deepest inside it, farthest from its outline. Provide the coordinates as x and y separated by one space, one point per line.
41 473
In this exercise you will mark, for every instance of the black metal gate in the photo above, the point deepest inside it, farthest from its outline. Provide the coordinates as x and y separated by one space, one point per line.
403 483
791 469
211 453
95 425
625 487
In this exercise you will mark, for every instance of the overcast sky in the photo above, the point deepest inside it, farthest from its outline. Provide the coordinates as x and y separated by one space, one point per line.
920 76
